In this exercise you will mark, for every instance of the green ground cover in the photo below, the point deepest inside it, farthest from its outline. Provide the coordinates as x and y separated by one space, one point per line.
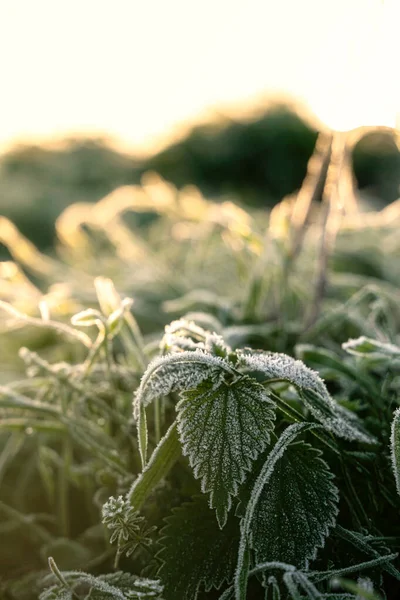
204 406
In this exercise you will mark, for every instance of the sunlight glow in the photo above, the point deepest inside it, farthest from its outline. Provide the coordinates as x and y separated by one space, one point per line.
135 69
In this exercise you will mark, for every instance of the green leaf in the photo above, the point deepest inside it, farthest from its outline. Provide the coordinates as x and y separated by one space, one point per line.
276 367
130 586
326 360
296 509
114 586
360 542
288 436
272 591
395 448
143 434
176 372
316 576
364 346
223 427
162 460
196 553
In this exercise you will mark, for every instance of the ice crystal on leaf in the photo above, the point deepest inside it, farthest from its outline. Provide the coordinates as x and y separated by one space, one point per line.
296 509
115 586
223 427
177 372
395 448
186 335
281 367
364 346
128 528
277 367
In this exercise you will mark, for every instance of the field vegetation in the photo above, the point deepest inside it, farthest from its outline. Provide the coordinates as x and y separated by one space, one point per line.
199 401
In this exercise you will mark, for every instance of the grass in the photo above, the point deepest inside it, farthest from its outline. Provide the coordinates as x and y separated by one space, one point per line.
80 328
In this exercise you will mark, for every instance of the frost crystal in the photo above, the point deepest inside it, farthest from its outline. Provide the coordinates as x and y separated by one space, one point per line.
395 448
280 367
283 367
364 346
186 335
177 372
296 508
223 428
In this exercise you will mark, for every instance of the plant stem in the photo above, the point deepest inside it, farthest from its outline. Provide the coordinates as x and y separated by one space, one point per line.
333 209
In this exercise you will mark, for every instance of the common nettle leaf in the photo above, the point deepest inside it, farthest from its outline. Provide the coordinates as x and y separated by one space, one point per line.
223 427
277 367
297 508
340 422
263 478
176 372
196 554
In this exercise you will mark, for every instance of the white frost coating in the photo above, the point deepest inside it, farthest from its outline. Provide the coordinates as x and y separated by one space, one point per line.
395 447
185 326
301 492
178 343
215 343
186 335
177 372
364 346
223 428
183 335
330 414
288 436
339 422
281 366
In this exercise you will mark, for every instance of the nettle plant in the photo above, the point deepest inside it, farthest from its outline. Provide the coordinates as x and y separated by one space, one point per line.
247 479
268 500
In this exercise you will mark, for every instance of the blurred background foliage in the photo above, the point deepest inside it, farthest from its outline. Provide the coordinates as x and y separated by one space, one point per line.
257 162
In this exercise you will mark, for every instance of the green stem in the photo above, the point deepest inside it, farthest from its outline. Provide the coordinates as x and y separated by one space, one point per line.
63 482
57 573
161 462
157 420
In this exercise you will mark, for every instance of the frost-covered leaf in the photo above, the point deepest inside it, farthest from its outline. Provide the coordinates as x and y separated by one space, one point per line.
162 460
196 553
177 372
340 422
56 592
223 427
395 448
182 335
131 587
364 346
363 543
114 586
296 509
186 335
281 367
283 443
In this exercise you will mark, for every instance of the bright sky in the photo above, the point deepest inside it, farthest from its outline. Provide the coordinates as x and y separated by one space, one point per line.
137 68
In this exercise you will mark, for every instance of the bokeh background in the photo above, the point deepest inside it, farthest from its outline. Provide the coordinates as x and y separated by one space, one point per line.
226 95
